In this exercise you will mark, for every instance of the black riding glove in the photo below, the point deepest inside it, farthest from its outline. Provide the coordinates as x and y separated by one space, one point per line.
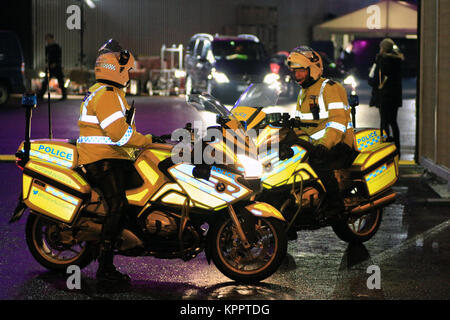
319 154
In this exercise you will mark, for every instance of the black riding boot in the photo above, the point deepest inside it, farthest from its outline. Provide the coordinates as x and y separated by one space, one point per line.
334 204
106 269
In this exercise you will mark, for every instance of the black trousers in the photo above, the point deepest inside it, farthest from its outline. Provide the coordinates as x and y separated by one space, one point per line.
339 157
57 73
110 177
388 116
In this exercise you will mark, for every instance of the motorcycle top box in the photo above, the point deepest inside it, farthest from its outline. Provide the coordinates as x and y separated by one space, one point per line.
56 151
367 137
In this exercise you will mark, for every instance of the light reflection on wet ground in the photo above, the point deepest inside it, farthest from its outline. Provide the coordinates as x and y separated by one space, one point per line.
318 266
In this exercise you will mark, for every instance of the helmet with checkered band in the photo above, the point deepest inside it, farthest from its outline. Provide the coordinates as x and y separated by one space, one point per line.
113 63
307 58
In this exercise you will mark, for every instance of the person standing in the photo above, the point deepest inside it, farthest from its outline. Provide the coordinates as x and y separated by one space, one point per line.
386 80
105 133
53 59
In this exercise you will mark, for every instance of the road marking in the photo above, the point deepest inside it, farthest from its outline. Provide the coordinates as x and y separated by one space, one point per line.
412 242
7 157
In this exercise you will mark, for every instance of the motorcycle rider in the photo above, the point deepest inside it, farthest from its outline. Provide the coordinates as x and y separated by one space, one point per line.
104 137
323 102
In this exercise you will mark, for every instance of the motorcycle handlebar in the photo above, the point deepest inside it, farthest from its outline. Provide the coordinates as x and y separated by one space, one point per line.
287 122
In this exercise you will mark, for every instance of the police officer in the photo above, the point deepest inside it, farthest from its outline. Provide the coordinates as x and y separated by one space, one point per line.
323 102
104 137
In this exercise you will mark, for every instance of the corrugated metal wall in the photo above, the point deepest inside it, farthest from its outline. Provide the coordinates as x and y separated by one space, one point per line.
435 86
144 26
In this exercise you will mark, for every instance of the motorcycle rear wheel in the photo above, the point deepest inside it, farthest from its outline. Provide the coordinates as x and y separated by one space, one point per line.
359 230
42 241
258 262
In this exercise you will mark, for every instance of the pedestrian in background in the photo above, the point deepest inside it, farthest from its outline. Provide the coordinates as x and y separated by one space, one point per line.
385 77
53 59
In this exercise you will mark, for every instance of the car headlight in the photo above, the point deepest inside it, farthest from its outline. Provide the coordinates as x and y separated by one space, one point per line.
220 77
180 74
351 81
271 78
252 167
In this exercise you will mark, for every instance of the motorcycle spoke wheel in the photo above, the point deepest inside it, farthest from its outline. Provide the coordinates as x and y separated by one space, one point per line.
268 246
361 229
365 224
49 247
248 260
44 240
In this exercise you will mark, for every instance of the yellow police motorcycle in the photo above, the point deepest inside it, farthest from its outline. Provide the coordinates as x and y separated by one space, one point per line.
291 185
176 209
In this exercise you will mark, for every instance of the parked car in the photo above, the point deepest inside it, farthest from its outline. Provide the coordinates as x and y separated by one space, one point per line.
225 66
12 66
288 85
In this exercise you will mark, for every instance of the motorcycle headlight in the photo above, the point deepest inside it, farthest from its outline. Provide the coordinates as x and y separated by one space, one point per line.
220 77
271 78
252 167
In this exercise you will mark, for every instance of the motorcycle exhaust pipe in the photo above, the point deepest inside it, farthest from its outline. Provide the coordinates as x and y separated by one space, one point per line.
384 201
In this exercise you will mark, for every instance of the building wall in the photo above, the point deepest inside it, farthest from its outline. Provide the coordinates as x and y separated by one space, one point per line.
434 94
144 26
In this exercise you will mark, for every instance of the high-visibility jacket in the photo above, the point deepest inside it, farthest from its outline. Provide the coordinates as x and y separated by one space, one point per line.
104 132
326 103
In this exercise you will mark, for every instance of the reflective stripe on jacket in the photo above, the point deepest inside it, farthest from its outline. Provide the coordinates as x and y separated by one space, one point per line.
104 131
332 113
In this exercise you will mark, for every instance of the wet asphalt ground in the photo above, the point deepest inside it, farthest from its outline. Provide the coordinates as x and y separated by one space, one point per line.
411 248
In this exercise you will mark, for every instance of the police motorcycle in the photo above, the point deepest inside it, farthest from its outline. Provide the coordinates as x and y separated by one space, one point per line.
291 185
176 209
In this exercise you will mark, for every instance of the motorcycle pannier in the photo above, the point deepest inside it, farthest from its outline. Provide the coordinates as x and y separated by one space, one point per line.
53 190
377 166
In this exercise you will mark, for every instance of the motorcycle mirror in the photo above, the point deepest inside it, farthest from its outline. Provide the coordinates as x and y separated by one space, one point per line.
201 171
353 100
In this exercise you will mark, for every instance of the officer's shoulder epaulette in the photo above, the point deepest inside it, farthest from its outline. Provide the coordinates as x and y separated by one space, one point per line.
331 82
109 89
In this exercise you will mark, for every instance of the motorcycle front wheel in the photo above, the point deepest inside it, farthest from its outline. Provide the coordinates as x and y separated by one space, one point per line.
268 246
43 238
359 230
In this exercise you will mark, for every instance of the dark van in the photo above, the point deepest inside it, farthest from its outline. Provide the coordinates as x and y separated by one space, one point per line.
224 66
12 66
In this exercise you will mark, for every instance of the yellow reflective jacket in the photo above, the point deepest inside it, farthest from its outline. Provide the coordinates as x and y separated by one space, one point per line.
325 103
104 132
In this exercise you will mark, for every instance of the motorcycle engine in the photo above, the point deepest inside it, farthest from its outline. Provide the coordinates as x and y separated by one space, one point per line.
160 223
